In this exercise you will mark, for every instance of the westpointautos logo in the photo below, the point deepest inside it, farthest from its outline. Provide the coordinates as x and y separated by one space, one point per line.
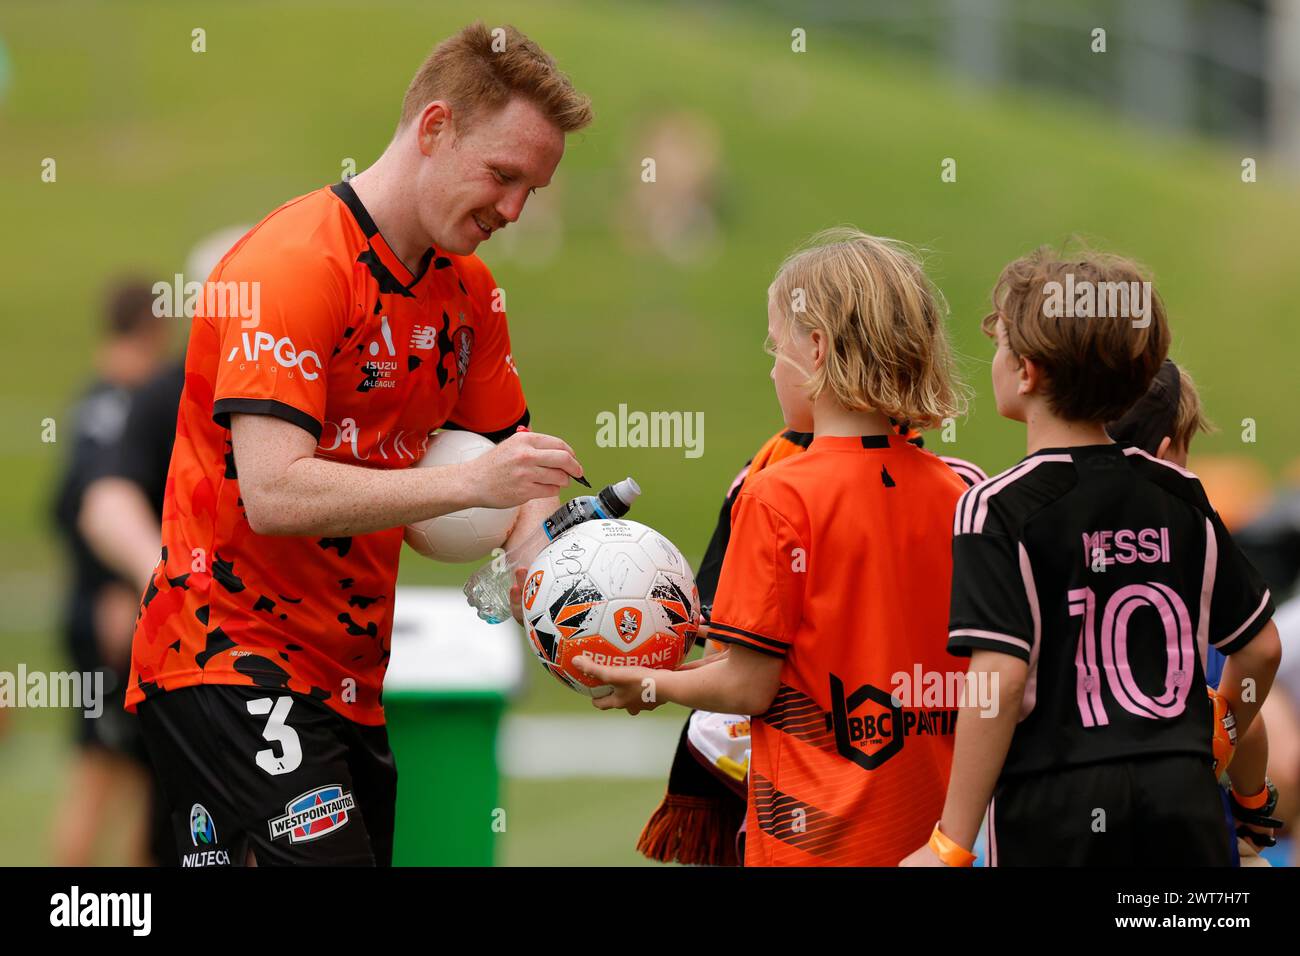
72 689
314 814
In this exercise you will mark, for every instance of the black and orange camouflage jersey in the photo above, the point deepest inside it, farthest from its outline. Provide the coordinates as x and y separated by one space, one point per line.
370 359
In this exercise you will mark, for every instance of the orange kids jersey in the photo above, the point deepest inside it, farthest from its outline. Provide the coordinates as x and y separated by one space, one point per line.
346 343
840 562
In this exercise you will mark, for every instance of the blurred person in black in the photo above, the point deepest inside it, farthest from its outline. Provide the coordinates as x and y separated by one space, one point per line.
122 514
111 766
121 510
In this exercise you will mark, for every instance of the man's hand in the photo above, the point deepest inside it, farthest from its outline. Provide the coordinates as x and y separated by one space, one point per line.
922 857
525 466
634 687
115 608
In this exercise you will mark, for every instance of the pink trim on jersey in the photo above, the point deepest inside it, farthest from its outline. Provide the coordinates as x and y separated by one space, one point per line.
1031 595
967 471
739 478
1246 623
991 636
1207 591
977 514
1160 461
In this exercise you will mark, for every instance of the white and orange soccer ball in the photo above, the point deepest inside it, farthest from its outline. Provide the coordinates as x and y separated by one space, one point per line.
616 590
467 535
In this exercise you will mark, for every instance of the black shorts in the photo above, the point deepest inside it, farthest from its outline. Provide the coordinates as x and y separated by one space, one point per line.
114 730
278 773
1155 811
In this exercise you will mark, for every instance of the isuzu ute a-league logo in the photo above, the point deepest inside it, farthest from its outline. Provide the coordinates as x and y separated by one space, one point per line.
381 372
315 814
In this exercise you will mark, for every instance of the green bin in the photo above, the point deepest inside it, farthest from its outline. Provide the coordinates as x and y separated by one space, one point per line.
448 682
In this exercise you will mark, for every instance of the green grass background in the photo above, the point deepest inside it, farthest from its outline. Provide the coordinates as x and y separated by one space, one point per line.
157 145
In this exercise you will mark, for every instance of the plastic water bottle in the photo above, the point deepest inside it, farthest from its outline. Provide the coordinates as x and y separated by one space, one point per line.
488 588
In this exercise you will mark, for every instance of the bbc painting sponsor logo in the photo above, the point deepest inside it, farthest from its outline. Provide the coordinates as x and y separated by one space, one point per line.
945 689
872 725
314 814
221 300
77 909
63 689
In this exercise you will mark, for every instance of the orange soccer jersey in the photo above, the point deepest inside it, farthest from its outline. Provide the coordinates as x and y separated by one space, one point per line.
840 562
370 359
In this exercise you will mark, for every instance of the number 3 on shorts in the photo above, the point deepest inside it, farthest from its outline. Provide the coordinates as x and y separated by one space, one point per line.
277 731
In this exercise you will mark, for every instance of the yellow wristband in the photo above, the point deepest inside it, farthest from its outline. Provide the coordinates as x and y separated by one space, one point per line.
948 851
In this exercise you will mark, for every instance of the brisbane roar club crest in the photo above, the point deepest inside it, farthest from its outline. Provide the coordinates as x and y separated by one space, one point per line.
628 621
530 589
464 344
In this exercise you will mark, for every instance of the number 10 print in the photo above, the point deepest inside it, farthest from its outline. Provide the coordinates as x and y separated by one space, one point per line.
1180 666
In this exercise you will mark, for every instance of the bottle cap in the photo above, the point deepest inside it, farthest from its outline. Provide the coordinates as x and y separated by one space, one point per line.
618 497
627 490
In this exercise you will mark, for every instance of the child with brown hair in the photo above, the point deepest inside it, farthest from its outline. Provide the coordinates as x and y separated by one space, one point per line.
1088 582
836 576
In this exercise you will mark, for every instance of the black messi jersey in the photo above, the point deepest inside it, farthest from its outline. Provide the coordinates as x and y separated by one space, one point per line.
1108 572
